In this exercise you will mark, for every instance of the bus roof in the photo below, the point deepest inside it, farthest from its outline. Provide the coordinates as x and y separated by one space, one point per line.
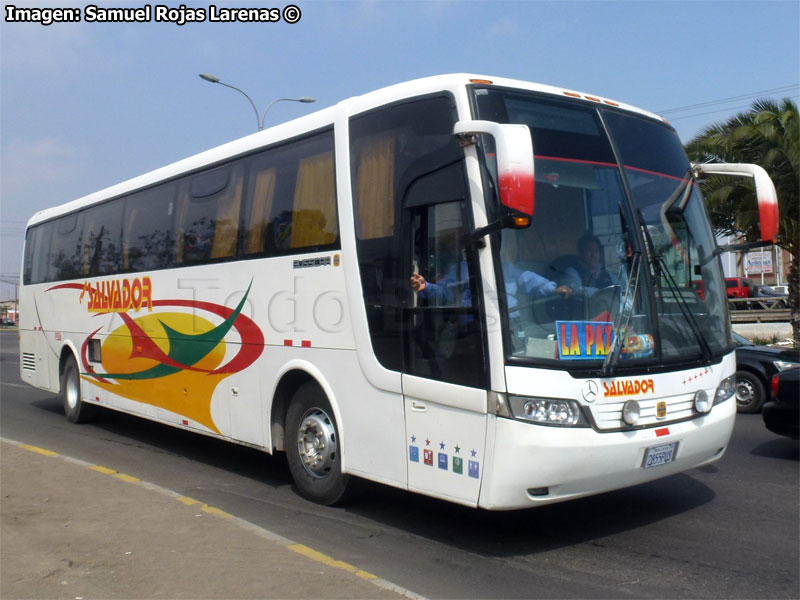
322 118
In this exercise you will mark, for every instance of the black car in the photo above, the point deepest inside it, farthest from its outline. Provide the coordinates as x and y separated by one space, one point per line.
782 413
755 366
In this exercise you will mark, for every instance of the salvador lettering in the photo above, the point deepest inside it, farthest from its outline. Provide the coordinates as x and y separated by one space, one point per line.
628 388
118 295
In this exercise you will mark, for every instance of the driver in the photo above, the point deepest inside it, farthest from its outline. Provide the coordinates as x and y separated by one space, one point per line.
590 271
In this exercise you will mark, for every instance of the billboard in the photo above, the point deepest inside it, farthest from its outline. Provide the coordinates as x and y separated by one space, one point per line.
758 262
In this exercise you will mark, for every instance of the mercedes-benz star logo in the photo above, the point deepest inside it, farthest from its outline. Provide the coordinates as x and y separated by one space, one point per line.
590 390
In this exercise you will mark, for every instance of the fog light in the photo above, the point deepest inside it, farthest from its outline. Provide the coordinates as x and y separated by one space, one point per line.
702 403
631 412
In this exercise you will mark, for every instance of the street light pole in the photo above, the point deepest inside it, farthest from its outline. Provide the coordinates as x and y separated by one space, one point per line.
304 99
259 121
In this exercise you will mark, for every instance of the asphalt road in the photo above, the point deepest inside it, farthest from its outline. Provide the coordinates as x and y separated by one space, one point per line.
731 530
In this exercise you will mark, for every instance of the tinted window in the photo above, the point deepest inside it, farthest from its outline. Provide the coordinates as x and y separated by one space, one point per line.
102 227
292 191
66 251
209 215
147 238
559 129
646 145
392 151
40 269
444 338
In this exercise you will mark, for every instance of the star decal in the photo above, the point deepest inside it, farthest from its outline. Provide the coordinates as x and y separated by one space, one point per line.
473 453
457 449
441 445
413 439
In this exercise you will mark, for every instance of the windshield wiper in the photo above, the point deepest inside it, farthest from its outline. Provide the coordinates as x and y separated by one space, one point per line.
624 316
661 267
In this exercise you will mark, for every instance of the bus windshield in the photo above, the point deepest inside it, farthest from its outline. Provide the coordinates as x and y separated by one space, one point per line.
618 245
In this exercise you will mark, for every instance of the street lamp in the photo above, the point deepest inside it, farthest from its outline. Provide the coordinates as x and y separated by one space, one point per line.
214 79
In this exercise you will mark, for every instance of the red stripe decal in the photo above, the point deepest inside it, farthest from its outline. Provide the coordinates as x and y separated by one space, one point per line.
287 342
185 422
662 432
306 343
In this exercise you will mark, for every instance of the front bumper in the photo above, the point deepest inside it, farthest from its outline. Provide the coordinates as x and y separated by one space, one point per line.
574 462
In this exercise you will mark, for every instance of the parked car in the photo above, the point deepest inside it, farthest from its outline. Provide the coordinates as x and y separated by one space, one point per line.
782 413
755 366
774 299
739 287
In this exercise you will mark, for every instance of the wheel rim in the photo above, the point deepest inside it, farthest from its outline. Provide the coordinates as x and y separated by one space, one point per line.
316 443
745 392
72 392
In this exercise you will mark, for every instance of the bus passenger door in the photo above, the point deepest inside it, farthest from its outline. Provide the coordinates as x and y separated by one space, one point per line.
444 372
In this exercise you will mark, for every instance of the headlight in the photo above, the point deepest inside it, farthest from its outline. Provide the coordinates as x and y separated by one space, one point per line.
726 389
548 411
782 365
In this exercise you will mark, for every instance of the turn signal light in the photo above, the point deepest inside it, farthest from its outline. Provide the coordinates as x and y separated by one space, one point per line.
521 222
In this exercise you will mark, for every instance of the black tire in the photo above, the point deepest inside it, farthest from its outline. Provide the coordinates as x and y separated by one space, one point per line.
312 447
750 394
76 410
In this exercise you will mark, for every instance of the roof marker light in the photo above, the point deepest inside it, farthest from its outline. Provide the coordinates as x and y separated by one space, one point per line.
572 94
593 99
610 103
486 81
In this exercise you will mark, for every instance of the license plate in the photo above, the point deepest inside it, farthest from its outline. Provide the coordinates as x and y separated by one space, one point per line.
659 455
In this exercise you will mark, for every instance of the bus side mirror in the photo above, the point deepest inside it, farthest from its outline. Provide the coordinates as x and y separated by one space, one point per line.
514 166
765 192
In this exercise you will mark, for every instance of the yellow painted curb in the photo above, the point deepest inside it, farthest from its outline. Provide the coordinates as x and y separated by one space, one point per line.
331 562
38 450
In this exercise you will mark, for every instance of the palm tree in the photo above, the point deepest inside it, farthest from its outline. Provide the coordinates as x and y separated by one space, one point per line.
768 135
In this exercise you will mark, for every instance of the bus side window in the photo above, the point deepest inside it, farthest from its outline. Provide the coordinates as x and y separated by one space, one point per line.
208 226
66 248
292 198
314 220
444 338
37 254
390 149
101 238
147 236
27 261
262 195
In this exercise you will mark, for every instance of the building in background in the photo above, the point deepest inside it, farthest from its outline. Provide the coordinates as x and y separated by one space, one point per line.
768 266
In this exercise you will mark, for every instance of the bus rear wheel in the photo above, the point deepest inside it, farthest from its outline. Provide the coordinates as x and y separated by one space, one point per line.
312 447
76 410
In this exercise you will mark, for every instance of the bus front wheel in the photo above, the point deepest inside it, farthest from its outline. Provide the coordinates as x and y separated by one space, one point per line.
76 410
313 450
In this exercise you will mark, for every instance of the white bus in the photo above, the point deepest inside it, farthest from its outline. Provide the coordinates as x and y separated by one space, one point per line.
372 290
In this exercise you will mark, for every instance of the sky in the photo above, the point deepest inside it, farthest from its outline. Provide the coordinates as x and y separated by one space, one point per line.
89 104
